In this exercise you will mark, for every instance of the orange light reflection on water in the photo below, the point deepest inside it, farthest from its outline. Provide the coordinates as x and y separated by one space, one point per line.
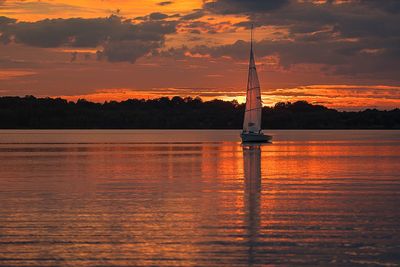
185 203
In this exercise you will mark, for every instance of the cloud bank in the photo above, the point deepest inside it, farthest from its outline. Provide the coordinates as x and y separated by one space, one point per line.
347 37
117 39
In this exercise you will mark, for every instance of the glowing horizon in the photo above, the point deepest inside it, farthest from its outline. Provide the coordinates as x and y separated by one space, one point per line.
269 98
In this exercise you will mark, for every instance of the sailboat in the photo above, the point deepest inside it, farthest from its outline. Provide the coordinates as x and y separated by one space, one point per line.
252 116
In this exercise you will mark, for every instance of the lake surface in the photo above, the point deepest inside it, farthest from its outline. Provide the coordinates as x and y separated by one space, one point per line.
199 198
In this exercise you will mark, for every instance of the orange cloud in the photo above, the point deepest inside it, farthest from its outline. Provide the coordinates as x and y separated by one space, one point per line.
33 10
10 74
344 97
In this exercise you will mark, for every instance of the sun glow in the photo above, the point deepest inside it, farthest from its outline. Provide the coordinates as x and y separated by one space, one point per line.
342 97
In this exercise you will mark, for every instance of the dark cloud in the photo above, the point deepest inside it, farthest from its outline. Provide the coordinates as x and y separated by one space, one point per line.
194 15
337 57
206 27
165 3
391 6
347 38
111 33
369 57
175 16
158 16
128 50
351 19
243 6
177 53
5 20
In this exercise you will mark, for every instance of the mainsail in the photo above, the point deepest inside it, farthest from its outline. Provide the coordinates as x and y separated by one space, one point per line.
252 116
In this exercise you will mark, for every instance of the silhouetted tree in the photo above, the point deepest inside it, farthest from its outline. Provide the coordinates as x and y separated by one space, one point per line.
180 113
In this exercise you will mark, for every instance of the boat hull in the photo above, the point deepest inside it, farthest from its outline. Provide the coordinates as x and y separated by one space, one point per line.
255 138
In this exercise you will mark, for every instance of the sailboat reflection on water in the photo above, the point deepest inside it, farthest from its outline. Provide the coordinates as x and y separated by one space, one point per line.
252 198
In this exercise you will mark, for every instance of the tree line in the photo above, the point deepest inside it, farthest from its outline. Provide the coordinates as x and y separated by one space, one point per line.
30 112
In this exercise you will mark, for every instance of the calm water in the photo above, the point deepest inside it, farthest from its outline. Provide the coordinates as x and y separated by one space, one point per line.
199 198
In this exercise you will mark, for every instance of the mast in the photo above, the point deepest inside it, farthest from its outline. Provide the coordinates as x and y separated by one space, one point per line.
251 39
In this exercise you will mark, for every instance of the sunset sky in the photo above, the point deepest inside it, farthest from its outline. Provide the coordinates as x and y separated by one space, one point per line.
342 54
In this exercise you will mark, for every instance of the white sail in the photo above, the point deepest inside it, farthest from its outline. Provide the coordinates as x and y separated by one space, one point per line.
252 116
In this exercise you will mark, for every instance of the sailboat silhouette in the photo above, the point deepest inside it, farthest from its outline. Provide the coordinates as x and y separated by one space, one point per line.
252 116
